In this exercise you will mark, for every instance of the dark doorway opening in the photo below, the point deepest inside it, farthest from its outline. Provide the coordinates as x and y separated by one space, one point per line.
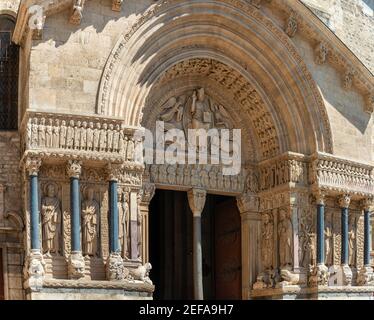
170 247
2 297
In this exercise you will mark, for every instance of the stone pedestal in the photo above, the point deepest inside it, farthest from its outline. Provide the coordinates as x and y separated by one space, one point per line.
365 276
34 270
115 269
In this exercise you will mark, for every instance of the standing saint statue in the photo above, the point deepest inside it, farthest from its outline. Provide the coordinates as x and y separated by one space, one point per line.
267 242
285 240
328 243
351 242
90 211
139 226
124 228
51 221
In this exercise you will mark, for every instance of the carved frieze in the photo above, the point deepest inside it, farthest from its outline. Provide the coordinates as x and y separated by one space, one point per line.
61 135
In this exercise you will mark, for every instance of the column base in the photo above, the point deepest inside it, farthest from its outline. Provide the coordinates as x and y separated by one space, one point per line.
34 270
76 265
319 276
115 269
365 276
344 275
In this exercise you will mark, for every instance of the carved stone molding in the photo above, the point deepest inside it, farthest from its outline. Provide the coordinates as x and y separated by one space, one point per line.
196 200
116 5
344 201
32 165
74 168
209 177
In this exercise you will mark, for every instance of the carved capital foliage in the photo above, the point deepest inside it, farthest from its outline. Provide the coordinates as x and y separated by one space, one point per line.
149 190
344 201
33 165
74 168
248 203
196 200
116 5
114 171
368 204
320 196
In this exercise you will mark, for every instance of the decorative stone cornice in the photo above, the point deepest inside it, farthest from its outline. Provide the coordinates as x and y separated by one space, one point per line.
344 201
74 168
32 165
338 175
116 5
196 200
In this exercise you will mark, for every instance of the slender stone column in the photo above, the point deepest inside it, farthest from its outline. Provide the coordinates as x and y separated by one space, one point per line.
76 261
320 275
34 264
346 275
366 276
196 200
115 269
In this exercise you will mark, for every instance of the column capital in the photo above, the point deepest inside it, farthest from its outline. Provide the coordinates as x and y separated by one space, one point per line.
248 203
114 171
344 201
196 200
368 204
74 168
149 190
32 165
320 196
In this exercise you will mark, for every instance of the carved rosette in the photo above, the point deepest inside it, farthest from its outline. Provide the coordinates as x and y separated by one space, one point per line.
115 269
74 168
34 269
76 265
196 200
33 165
344 201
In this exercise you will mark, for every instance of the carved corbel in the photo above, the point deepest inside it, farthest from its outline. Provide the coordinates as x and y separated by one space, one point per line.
116 5
348 79
291 25
321 52
36 23
77 14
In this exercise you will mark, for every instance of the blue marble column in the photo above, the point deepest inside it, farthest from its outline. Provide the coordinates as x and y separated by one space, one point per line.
344 202
113 217
74 171
32 166
320 230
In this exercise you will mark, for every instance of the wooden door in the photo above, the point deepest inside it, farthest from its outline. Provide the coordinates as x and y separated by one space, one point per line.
1 276
227 250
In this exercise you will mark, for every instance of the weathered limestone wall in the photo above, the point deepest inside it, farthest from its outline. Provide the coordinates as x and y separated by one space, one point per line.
10 241
66 66
352 21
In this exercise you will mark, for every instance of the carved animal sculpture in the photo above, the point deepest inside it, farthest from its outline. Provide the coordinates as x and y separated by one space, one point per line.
142 273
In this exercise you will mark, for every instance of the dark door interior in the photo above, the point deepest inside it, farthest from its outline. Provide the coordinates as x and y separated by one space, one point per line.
170 247
1 276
